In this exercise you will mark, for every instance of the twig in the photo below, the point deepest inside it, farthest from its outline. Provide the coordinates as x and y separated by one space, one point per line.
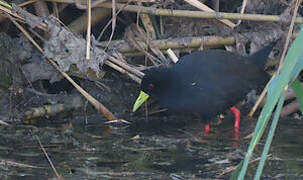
289 34
42 26
203 7
234 167
27 3
89 27
15 164
123 71
172 55
109 22
125 66
244 2
253 110
113 20
48 159
55 10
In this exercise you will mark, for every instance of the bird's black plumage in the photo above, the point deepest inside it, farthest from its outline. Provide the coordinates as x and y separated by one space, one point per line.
206 82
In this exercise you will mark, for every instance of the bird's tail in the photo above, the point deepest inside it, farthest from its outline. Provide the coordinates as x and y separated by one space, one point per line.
260 57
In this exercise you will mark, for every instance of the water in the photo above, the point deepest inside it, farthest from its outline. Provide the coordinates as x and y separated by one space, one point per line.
97 151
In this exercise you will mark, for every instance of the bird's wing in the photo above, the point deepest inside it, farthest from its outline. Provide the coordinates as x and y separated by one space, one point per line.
217 81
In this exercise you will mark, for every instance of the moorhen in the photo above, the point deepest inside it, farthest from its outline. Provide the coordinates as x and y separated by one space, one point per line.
206 82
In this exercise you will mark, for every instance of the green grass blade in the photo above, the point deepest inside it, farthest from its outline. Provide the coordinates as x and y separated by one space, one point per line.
260 127
269 138
5 4
291 67
236 172
298 89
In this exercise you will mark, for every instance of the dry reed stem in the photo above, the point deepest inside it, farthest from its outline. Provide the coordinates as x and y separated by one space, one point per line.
203 7
242 11
48 159
175 43
89 28
198 14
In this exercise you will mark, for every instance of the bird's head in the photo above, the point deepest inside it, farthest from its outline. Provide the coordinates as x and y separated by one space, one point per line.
154 83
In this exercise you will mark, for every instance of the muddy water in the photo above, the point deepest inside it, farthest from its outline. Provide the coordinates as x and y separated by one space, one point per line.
97 151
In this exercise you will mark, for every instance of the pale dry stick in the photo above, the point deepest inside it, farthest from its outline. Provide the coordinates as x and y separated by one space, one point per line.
149 34
172 55
289 35
141 34
95 4
123 71
148 26
147 23
203 7
89 28
26 3
41 26
161 24
48 159
262 95
113 20
242 11
55 9
109 22
100 107
125 66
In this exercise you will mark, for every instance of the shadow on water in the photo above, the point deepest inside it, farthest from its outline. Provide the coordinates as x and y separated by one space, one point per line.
165 151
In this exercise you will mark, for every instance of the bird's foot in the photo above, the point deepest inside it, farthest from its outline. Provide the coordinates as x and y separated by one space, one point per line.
236 137
206 130
237 115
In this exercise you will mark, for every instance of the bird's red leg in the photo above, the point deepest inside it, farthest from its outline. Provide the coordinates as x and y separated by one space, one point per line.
206 129
236 113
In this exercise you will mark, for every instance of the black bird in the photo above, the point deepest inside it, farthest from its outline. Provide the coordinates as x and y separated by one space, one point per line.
205 82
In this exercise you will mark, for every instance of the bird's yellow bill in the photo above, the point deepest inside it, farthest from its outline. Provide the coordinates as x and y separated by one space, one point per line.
140 100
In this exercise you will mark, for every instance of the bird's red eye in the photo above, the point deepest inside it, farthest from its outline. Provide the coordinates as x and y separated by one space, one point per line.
150 86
